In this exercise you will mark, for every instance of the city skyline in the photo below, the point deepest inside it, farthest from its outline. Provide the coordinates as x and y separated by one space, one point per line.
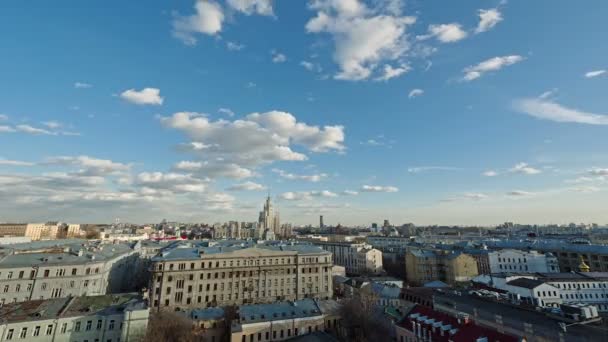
469 114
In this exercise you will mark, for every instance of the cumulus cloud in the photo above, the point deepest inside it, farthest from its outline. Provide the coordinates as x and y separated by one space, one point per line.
378 188
306 195
364 37
249 7
585 189
490 173
234 149
3 117
146 96
247 186
82 85
207 19
52 124
308 178
350 193
445 33
598 172
525 169
545 109
390 72
594 73
488 19
493 64
415 93
468 196
34 130
154 182
278 57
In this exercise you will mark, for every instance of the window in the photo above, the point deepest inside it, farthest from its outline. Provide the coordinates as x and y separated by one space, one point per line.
21 275
49 329
64 327
111 326
99 323
89 324
36 331
46 273
9 334
23 333
77 327
74 270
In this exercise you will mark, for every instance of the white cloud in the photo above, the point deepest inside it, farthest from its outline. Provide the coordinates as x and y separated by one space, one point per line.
208 20
378 188
249 7
525 169
350 193
308 178
519 193
548 94
364 37
34 130
595 73
82 85
306 195
52 124
173 182
226 111
392 72
421 169
445 33
3 117
549 110
88 165
475 196
247 186
415 93
7 129
234 46
8 162
311 66
278 57
598 172
488 19
250 85
146 96
186 165
492 64
586 189
490 173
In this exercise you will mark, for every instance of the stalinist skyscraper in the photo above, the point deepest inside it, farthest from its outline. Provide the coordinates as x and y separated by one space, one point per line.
268 222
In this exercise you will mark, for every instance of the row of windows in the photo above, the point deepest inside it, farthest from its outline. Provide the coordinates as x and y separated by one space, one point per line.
579 285
232 263
276 334
44 286
23 333
60 272
584 296
511 260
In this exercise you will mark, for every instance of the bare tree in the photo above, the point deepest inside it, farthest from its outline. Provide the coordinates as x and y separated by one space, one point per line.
362 318
169 327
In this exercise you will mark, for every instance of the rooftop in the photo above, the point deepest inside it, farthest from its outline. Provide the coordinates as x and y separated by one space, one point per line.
278 311
526 283
70 306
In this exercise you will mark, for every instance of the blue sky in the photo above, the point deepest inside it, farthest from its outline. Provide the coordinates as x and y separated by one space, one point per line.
414 111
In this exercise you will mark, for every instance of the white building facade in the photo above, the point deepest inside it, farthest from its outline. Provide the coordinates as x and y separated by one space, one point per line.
511 260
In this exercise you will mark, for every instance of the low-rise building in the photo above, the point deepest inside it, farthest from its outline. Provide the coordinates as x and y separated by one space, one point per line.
209 324
425 265
12 229
110 318
283 320
212 273
357 258
511 260
61 268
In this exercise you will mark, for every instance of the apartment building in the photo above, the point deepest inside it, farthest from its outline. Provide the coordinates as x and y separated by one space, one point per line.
219 273
511 260
284 320
357 258
425 265
110 318
12 229
568 254
53 269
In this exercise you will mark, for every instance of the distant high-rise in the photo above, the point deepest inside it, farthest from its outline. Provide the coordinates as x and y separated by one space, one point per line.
386 224
321 225
269 223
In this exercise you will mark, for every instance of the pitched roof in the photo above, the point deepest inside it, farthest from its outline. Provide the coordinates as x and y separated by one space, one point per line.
526 283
